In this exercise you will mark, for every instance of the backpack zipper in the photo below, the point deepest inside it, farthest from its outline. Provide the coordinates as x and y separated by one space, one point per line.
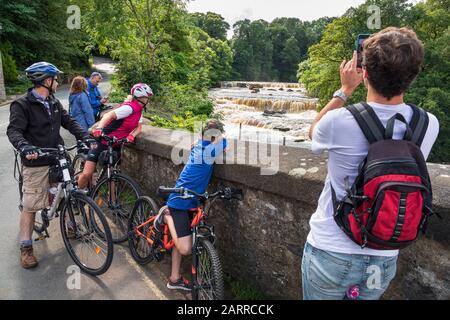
388 184
383 162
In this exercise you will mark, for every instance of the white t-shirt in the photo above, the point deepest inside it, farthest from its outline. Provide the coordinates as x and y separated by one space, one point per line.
339 133
125 111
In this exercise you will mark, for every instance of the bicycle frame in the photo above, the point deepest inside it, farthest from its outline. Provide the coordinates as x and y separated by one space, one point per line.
65 189
110 168
199 226
168 243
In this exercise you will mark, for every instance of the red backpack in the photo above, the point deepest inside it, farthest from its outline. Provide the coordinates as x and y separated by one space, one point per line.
390 201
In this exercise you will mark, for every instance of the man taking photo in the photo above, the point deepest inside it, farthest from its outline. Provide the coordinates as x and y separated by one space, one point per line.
333 265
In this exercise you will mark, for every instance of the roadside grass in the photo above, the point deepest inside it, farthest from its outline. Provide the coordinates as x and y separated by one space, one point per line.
239 290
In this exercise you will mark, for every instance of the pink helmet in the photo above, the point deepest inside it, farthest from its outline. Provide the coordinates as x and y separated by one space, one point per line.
141 90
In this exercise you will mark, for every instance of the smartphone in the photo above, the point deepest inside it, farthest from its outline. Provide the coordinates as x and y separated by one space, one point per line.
359 46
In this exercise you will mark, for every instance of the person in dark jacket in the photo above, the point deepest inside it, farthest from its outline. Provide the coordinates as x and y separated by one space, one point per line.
79 106
35 122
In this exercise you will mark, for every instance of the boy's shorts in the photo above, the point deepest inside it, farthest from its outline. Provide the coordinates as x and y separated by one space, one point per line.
35 188
182 221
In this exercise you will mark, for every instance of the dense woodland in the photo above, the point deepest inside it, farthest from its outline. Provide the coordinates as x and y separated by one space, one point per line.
183 54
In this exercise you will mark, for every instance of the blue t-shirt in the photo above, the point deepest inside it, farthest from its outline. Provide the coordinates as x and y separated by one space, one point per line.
197 173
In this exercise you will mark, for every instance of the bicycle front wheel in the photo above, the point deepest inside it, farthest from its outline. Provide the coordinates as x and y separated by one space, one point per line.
207 276
91 248
116 198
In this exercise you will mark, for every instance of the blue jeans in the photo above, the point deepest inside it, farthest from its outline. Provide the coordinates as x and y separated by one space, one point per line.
328 275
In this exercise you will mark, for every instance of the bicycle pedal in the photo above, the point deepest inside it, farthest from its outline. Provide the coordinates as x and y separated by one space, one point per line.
41 237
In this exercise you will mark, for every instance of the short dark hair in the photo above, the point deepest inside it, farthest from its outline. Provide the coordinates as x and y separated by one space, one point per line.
393 58
211 127
96 74
213 124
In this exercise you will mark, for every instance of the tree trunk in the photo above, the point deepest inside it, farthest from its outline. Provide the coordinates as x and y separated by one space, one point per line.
2 81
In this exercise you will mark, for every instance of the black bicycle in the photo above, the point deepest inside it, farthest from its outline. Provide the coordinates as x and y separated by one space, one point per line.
147 244
114 192
84 228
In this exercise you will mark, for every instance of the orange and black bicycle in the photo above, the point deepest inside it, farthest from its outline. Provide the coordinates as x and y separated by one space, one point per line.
147 244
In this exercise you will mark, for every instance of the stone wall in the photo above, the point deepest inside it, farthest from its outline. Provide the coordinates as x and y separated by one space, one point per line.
261 239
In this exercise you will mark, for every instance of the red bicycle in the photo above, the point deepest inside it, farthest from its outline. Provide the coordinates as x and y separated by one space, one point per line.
147 244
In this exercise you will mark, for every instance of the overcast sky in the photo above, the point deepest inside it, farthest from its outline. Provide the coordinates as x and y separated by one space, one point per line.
234 10
306 10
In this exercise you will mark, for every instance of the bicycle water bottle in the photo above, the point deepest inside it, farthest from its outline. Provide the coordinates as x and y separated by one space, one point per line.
51 195
352 293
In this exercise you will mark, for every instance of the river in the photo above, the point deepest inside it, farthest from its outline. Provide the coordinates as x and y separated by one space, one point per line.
276 113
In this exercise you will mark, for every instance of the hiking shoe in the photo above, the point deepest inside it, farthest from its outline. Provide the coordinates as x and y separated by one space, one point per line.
181 284
27 258
159 221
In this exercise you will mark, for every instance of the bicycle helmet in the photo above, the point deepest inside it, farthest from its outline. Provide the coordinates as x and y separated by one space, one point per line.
40 71
141 90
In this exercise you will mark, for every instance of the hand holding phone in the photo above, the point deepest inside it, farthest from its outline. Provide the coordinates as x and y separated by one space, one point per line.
360 46
351 78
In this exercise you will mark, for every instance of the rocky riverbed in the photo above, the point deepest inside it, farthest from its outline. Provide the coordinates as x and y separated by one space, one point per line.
279 113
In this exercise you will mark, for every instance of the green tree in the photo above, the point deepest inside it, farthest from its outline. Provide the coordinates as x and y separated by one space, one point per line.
213 24
253 50
37 31
242 50
9 65
431 90
320 73
286 40
157 42
290 57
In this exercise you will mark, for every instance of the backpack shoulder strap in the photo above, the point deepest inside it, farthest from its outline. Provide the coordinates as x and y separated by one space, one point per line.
419 124
368 121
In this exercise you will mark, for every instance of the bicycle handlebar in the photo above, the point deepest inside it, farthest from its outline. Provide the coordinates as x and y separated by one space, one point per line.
165 190
225 193
112 139
43 152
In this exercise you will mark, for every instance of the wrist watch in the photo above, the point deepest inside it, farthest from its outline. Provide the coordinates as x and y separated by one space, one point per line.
340 94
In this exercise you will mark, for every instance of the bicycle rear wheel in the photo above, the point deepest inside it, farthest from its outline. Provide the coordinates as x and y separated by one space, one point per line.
207 276
90 248
138 231
118 207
